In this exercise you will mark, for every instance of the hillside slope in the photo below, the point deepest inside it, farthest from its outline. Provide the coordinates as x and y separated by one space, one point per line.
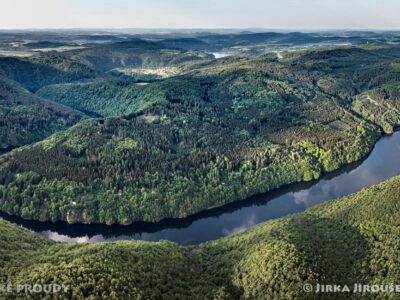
346 241
36 72
179 156
26 118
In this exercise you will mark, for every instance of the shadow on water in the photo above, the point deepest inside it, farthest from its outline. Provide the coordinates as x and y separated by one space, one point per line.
382 163
6 150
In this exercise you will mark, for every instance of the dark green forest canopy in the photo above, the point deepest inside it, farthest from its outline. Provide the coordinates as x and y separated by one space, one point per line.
36 72
26 118
217 132
346 241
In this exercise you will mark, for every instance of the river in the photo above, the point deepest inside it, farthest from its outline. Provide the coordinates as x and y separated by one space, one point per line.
382 163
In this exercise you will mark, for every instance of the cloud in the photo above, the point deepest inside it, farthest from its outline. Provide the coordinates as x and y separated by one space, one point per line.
63 238
250 221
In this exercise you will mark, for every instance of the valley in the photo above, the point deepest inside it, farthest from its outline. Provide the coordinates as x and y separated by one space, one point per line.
221 164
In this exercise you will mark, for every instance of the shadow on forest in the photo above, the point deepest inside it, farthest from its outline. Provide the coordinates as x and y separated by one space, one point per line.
334 252
303 249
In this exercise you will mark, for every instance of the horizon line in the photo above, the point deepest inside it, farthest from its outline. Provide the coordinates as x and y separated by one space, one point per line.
198 28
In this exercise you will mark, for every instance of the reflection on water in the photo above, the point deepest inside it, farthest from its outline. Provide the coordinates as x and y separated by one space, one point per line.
382 163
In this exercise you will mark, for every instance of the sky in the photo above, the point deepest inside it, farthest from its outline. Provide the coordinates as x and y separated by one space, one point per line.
268 14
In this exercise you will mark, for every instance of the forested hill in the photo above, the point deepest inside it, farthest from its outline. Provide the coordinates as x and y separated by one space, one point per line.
218 132
347 241
26 118
36 72
341 73
135 54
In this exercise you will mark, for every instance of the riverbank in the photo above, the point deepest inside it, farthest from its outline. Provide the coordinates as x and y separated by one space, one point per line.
382 163
343 241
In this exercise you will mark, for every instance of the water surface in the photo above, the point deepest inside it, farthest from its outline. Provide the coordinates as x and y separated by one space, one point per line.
381 164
